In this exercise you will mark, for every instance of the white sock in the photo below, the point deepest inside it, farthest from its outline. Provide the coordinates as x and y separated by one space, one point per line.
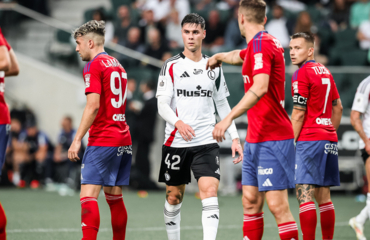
210 218
172 219
16 178
363 216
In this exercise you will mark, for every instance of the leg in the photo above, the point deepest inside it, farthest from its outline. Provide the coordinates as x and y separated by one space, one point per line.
118 211
307 210
253 216
172 206
208 187
277 201
327 213
90 219
2 223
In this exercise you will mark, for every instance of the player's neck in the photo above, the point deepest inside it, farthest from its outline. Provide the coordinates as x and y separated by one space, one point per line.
308 59
95 52
194 56
252 30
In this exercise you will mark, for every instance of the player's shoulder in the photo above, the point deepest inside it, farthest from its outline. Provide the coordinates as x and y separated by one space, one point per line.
364 85
166 65
263 41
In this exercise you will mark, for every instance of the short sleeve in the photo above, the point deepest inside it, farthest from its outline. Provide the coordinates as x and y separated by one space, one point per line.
220 90
361 100
262 57
166 81
243 53
334 90
92 78
300 88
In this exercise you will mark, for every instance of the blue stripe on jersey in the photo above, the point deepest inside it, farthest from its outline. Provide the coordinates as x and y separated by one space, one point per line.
87 66
257 41
295 75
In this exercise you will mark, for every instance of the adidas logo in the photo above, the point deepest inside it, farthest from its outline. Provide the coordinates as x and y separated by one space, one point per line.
267 183
213 216
171 223
83 224
184 75
245 238
218 171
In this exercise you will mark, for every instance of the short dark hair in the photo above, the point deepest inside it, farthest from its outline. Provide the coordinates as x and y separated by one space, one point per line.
256 10
309 37
194 18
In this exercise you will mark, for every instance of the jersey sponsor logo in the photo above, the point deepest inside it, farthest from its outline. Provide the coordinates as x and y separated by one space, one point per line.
2 87
199 93
167 176
124 149
87 80
267 183
277 43
246 79
184 75
197 71
265 171
323 121
211 74
295 87
111 63
331 148
320 70
119 117
299 100
258 63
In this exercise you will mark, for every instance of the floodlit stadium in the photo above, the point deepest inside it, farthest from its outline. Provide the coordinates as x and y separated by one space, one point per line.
40 187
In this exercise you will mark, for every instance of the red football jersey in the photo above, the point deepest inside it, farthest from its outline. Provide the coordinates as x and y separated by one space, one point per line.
4 111
313 86
267 120
105 75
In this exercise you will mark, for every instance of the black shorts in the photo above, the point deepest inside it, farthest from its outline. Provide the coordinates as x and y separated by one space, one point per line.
364 155
203 160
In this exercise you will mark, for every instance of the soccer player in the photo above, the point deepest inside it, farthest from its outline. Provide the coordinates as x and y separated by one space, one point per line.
317 110
186 96
361 109
107 159
8 67
268 163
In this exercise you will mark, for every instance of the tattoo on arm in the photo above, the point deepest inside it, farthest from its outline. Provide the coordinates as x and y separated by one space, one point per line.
305 193
335 102
299 108
254 94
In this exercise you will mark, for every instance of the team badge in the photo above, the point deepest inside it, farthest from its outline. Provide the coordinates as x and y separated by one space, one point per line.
162 83
87 80
212 75
197 71
167 176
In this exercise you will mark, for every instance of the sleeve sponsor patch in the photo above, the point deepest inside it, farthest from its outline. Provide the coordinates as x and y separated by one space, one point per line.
295 87
258 63
162 83
87 80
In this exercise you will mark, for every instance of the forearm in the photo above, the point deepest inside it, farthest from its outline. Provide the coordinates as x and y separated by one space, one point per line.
357 125
232 57
297 120
223 109
14 67
335 118
87 120
165 110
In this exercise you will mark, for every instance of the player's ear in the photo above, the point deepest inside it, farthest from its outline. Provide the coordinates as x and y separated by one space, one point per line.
311 50
91 44
265 20
204 34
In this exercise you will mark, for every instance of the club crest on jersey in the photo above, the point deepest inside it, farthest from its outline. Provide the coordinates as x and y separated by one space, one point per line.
167 176
211 74
87 80
162 83
197 71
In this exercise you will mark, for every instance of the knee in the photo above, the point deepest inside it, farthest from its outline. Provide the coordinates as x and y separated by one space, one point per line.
278 208
209 192
174 199
251 204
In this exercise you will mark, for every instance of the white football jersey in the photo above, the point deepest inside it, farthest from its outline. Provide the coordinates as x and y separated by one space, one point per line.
193 90
361 104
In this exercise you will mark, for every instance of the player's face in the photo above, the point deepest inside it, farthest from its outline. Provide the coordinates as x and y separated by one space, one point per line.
192 35
300 51
83 48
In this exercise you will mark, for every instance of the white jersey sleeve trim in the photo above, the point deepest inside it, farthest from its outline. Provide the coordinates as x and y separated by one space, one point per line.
223 109
165 110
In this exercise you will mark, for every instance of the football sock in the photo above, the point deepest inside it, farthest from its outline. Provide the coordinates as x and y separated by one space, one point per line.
90 219
210 218
363 216
253 226
172 219
327 219
288 231
2 223
367 205
308 220
118 215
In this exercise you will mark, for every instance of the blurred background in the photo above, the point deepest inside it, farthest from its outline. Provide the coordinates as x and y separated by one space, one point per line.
47 98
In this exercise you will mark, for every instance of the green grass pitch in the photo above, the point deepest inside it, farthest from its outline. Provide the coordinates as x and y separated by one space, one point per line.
38 215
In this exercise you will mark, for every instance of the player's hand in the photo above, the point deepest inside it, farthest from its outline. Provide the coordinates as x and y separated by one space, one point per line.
187 133
213 62
73 151
237 147
220 129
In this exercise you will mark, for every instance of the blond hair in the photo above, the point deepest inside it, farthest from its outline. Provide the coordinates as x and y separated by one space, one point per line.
93 26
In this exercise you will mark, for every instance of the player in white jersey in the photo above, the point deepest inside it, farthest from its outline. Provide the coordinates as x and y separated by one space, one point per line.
361 108
186 94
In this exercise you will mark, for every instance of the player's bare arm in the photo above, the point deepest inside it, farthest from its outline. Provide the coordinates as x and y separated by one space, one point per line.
14 66
5 63
232 58
337 110
297 120
88 117
255 93
357 125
